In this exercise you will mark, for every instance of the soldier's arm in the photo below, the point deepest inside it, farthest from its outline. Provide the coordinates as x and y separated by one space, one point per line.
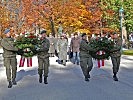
45 46
117 47
8 46
86 46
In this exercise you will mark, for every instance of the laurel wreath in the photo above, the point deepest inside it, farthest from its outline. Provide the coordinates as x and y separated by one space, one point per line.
101 44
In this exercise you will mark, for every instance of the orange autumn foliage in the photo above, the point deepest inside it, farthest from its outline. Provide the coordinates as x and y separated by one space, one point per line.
73 14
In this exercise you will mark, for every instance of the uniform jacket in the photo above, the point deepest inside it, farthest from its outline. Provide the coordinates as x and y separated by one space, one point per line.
44 48
84 49
115 52
75 44
8 47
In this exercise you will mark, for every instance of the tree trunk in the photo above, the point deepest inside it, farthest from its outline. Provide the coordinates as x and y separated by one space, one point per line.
52 26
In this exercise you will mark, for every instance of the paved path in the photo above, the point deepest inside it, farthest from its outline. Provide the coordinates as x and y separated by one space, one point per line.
67 83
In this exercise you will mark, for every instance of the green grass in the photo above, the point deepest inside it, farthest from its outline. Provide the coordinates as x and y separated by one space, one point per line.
127 52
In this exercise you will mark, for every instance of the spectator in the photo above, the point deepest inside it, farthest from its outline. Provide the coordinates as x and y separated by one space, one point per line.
62 49
74 47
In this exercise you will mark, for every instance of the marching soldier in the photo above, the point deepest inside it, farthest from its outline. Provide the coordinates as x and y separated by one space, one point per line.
43 57
85 58
116 54
10 61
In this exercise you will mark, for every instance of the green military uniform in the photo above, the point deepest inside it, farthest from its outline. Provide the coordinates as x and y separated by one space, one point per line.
10 61
116 55
43 58
85 58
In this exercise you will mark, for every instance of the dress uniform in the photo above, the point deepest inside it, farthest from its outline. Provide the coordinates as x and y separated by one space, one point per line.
116 54
43 57
10 61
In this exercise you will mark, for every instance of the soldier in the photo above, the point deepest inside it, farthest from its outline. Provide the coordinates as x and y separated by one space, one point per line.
115 54
10 61
43 57
85 58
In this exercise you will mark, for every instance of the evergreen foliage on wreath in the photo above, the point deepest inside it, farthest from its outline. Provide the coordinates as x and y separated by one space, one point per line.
28 44
101 44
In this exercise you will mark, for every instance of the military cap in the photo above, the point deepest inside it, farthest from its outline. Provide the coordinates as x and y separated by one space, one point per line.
43 32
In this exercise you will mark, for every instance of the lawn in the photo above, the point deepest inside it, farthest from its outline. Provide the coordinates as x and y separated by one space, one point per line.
127 52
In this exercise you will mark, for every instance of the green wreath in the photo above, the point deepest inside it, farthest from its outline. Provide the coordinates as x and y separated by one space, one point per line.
27 44
101 44
105 55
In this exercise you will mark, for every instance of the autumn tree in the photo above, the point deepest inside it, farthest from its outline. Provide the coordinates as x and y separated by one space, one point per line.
75 15
111 17
4 18
71 13
12 9
94 23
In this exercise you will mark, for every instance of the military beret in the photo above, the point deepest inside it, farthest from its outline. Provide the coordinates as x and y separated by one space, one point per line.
6 31
83 34
43 31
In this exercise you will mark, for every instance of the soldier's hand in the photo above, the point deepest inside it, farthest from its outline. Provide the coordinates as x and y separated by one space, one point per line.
20 52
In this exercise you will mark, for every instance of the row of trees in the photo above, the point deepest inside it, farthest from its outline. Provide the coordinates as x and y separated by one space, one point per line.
91 16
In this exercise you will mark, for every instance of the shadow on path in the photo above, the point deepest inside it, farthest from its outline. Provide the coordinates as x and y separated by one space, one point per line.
23 73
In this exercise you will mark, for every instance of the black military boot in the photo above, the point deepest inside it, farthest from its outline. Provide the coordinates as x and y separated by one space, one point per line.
14 82
40 75
115 77
10 84
40 78
88 75
77 63
45 80
86 78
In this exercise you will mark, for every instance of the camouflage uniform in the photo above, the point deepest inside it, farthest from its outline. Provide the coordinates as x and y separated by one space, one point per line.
10 61
116 55
85 58
43 58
